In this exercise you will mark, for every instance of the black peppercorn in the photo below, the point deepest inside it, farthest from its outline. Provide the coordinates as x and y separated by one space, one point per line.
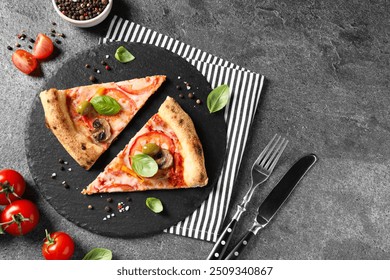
107 209
92 79
109 199
9 48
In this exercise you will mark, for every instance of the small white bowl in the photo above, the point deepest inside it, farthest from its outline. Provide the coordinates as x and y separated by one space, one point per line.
85 23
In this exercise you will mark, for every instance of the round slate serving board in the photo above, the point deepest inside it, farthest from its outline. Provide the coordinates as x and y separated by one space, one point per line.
44 151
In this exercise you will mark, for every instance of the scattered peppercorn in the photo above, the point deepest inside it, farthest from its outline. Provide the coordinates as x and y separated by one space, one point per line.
128 199
61 161
107 209
52 31
53 23
108 68
87 66
53 175
90 207
92 79
17 45
103 62
178 87
52 35
57 41
109 199
95 70
62 35
190 95
62 168
198 101
32 40
181 95
9 48
66 186
30 47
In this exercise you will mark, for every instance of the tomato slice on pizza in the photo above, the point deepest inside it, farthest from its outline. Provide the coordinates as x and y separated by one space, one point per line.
165 153
87 119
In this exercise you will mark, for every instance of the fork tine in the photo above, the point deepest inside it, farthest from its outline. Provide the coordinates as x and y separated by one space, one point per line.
269 153
259 158
278 152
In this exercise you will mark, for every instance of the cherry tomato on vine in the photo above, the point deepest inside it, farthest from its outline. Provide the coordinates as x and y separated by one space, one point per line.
19 217
57 246
12 186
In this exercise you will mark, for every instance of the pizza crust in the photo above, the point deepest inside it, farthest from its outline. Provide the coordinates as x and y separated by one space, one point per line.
194 174
58 120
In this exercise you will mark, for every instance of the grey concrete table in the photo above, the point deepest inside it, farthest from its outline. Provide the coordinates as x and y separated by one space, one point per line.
327 90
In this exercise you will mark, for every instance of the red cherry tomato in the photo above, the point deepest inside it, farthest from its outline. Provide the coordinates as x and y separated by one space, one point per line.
12 186
43 47
58 246
19 218
24 61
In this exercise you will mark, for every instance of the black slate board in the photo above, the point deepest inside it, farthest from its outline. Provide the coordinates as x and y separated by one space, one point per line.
44 151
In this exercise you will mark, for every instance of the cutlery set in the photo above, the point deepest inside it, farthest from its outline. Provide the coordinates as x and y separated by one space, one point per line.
261 171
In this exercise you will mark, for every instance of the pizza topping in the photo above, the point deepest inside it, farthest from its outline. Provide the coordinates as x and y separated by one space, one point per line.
102 131
84 108
127 170
151 149
105 105
164 159
144 165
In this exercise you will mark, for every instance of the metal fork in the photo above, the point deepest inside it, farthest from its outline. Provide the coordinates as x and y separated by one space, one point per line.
261 170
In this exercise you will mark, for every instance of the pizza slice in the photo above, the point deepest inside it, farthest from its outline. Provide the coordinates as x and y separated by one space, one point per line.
87 119
165 154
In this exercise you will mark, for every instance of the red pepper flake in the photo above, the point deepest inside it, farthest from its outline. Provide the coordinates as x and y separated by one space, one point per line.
108 68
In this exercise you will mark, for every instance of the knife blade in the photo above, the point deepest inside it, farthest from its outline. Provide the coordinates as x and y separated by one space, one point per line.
275 200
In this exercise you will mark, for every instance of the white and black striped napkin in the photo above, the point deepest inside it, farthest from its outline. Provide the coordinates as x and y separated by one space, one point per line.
245 87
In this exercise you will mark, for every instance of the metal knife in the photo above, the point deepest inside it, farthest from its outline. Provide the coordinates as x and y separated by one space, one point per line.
274 201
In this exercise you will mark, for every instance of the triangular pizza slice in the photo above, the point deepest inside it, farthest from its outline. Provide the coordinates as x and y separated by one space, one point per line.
87 119
165 153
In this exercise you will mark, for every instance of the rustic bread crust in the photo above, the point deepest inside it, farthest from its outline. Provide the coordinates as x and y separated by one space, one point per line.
58 120
192 152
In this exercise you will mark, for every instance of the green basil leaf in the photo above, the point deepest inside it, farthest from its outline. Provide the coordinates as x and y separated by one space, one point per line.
218 98
98 254
105 105
123 55
154 204
144 165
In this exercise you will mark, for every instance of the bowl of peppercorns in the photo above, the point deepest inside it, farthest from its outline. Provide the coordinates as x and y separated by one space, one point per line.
83 13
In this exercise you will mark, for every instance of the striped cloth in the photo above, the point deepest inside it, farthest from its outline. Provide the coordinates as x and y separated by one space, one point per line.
245 87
